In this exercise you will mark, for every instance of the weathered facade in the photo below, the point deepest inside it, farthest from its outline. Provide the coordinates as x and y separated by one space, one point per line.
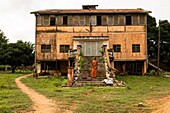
123 30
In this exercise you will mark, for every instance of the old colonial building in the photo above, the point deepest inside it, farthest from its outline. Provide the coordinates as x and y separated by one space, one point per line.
123 30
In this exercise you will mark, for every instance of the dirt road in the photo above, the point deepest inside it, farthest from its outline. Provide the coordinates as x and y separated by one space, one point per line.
41 104
165 105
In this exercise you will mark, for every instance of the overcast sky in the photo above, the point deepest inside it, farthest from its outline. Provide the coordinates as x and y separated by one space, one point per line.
17 22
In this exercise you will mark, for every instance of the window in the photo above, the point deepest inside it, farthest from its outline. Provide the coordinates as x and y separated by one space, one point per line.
99 20
117 48
115 19
135 47
104 20
142 20
135 20
45 48
59 20
82 21
64 20
46 20
121 20
38 20
128 20
64 48
52 21
87 20
70 20
93 20
110 20
76 20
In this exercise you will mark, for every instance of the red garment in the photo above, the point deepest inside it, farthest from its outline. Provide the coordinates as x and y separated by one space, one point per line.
93 72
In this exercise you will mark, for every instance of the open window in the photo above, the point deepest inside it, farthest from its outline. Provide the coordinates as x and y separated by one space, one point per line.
99 21
52 21
64 20
128 20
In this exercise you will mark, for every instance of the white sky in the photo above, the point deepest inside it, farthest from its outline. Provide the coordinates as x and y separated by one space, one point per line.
17 22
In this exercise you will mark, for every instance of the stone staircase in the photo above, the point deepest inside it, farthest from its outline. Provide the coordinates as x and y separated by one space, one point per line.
85 78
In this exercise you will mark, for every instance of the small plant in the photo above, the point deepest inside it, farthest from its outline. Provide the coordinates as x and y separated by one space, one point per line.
81 61
101 51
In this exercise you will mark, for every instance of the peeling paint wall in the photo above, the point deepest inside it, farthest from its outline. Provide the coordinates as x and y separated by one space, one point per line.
124 35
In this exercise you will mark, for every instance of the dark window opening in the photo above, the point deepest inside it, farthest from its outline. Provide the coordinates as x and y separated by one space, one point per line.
49 65
52 21
45 48
128 20
117 48
64 20
99 20
134 68
64 48
135 47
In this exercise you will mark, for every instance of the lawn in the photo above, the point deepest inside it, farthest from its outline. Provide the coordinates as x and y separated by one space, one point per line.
104 99
11 98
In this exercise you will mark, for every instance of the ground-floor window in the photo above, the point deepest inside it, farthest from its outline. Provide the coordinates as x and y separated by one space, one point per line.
134 67
48 65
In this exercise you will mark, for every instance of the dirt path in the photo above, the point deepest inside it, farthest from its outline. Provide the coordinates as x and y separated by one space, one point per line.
164 105
41 104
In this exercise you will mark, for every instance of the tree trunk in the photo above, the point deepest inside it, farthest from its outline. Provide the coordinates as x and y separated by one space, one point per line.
13 69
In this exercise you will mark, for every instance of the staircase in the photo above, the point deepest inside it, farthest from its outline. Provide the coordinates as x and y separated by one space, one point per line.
82 69
86 69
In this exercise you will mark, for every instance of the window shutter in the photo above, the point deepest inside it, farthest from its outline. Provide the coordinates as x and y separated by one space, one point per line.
38 20
121 20
115 19
46 20
110 20
87 20
82 20
135 20
70 20
142 20
59 20
104 20
76 20
93 20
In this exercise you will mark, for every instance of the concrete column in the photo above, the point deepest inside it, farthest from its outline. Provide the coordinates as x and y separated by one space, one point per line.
144 68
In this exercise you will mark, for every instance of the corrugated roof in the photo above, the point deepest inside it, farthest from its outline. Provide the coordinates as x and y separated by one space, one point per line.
79 11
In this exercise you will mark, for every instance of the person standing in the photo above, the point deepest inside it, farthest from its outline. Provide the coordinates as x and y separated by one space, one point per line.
94 67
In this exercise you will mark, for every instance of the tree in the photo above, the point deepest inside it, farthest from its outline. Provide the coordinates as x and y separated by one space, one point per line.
3 38
17 54
152 41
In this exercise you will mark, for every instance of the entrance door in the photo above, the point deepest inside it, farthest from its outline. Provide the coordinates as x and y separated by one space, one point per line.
91 48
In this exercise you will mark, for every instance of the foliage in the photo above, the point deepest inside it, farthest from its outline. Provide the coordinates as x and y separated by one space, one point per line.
152 32
17 54
3 38
81 61
11 98
105 99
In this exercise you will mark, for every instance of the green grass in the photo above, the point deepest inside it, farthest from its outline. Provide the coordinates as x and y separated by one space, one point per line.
104 99
168 73
11 98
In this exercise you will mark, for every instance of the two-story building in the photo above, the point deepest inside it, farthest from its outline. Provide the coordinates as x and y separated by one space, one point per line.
124 30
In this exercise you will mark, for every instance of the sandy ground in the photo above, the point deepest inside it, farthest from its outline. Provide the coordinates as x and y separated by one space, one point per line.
164 105
41 104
